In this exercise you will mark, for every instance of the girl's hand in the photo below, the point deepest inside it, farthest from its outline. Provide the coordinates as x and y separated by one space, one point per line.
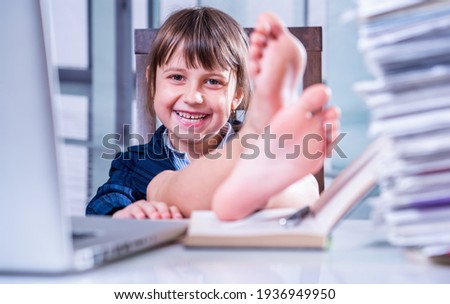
152 210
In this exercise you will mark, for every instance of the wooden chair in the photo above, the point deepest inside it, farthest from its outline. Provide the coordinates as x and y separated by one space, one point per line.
311 37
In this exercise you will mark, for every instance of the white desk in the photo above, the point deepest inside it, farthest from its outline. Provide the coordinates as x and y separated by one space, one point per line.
357 255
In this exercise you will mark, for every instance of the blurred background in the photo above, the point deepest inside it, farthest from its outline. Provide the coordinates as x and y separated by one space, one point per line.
95 57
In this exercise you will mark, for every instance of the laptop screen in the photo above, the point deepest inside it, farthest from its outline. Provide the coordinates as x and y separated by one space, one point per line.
30 206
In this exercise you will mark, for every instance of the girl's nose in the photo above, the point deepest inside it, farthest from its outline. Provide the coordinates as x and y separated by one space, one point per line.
193 95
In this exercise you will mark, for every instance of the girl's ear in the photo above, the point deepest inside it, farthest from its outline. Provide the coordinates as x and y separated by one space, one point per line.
238 96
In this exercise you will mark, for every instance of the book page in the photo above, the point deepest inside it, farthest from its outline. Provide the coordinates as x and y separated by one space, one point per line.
264 222
349 187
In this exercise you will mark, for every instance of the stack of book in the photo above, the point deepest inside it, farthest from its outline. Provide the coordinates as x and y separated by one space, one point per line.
406 45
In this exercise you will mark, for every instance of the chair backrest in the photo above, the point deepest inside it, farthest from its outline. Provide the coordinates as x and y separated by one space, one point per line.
311 37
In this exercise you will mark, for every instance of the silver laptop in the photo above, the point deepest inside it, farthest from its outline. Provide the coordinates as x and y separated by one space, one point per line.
35 233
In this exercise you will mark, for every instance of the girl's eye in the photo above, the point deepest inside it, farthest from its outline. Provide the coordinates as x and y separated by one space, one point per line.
176 77
213 82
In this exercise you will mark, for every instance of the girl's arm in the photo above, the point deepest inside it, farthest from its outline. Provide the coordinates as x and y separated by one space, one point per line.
193 187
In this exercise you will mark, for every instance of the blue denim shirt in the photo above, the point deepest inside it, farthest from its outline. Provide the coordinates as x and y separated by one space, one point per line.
132 171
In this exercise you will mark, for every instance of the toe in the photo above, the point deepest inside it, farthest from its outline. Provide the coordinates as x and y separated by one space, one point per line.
258 39
332 113
315 97
255 52
272 24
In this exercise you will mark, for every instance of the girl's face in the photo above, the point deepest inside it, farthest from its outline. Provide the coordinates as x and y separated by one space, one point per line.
193 104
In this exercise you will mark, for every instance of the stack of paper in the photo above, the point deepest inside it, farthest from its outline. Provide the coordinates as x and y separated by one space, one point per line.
407 48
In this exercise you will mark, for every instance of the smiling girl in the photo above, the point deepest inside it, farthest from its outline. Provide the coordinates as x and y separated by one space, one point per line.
198 74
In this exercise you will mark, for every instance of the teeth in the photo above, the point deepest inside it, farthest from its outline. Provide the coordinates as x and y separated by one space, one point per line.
190 116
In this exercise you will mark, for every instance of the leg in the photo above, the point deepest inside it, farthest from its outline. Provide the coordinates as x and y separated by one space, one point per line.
254 181
278 164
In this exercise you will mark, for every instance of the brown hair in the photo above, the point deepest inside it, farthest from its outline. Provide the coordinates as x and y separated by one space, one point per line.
210 38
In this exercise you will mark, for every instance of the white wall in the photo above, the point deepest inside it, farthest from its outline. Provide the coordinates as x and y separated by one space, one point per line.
245 12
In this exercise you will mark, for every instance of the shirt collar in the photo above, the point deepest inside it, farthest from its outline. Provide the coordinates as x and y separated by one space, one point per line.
169 147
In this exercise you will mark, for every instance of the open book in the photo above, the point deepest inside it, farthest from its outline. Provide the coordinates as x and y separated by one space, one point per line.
263 229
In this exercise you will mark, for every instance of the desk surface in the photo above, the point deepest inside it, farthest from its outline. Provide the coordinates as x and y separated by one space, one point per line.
358 254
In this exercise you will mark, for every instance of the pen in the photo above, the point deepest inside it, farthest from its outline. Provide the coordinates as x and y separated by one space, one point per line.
295 218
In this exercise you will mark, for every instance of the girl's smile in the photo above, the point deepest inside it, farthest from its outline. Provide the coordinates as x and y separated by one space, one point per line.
191 119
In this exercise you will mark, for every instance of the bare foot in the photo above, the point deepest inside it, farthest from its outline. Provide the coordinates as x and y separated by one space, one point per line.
297 148
283 57
294 143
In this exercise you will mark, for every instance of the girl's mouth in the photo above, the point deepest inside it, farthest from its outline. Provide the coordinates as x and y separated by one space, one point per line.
190 119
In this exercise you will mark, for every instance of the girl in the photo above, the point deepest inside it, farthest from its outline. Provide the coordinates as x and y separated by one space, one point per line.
197 77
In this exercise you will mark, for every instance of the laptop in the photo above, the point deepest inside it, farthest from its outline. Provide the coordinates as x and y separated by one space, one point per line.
36 235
